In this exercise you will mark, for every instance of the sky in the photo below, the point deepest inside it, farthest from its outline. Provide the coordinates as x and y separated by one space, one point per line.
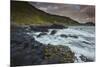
80 13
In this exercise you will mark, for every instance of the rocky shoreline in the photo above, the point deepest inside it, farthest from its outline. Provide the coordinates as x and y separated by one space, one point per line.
25 50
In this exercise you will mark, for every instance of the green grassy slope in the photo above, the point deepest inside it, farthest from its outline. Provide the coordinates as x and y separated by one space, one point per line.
24 13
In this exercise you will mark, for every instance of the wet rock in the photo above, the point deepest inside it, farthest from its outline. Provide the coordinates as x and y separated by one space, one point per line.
45 28
56 26
85 42
19 28
22 47
53 32
38 29
85 59
89 24
73 36
25 50
63 35
41 34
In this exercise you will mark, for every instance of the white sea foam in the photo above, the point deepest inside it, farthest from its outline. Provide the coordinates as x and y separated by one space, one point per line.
77 45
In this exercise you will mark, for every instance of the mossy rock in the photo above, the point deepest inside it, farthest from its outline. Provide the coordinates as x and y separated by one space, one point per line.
58 54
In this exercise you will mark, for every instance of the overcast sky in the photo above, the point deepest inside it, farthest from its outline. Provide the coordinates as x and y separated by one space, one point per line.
81 13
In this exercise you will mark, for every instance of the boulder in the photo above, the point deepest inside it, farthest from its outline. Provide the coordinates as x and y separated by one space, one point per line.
85 59
73 36
53 32
41 34
63 35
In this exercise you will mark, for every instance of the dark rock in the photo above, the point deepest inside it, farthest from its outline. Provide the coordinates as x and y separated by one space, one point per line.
22 48
63 35
45 28
53 32
89 24
19 28
85 59
85 42
41 34
39 29
25 50
56 26
73 36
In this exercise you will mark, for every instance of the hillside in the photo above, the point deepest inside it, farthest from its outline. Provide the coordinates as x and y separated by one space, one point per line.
24 13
